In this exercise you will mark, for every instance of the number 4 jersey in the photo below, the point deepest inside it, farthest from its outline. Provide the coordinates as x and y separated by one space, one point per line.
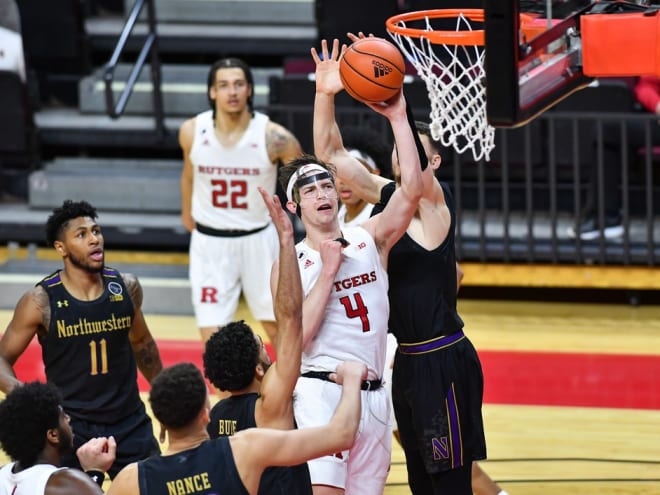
225 194
354 325
87 353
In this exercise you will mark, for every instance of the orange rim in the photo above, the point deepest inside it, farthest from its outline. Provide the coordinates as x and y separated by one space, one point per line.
467 37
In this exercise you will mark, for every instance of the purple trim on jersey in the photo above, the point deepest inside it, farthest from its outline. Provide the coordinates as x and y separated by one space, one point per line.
54 280
431 345
109 272
454 429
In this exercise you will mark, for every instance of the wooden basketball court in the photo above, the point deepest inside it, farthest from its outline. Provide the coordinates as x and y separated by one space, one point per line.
572 398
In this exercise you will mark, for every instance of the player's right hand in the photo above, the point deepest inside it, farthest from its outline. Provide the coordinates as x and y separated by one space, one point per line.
350 370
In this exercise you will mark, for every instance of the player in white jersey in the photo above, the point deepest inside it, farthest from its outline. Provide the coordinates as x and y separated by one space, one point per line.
228 152
345 309
35 432
426 233
370 149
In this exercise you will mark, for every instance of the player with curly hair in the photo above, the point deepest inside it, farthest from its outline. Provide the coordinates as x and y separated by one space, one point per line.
35 432
236 361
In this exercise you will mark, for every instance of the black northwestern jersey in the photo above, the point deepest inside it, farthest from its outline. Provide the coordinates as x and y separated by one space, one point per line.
87 353
208 469
436 395
236 413
423 288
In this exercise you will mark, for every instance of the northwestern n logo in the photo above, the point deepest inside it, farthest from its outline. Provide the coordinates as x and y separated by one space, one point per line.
440 448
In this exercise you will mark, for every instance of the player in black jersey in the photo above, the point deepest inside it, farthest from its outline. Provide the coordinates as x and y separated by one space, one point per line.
93 335
229 465
437 386
236 361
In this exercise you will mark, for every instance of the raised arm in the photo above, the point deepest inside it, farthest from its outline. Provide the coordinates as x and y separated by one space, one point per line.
144 347
388 226
28 318
257 448
328 144
313 308
278 383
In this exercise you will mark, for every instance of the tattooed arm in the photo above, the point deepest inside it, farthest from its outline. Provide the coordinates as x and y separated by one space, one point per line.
31 316
282 145
145 350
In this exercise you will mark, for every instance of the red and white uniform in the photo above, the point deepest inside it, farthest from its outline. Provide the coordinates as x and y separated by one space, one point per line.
30 481
354 328
225 198
225 194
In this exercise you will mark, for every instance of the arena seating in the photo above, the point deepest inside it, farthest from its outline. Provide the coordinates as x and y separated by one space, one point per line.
19 147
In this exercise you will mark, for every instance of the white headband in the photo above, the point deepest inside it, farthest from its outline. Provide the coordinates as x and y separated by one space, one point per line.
363 157
305 169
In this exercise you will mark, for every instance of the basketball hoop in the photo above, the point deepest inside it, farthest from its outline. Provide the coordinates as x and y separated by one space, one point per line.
451 63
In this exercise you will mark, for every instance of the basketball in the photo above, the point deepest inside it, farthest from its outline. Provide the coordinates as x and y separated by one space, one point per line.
372 70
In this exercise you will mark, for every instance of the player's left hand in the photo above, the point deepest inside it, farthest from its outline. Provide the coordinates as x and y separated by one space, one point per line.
327 67
277 214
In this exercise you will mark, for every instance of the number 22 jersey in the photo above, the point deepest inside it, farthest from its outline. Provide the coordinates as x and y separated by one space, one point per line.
225 179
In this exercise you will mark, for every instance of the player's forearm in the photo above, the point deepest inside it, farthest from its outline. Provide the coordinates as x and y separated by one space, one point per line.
186 196
8 380
288 298
327 138
346 419
147 358
411 175
314 306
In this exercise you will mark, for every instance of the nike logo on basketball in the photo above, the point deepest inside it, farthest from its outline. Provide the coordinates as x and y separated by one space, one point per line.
380 69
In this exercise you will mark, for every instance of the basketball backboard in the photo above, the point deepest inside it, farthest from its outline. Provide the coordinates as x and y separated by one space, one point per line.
529 71
503 65
536 53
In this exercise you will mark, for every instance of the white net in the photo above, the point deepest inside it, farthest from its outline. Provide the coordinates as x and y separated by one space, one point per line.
454 77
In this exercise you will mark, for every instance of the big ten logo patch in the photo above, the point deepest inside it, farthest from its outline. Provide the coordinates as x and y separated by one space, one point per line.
116 292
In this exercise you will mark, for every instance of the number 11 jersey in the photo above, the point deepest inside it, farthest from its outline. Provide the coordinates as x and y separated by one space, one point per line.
87 353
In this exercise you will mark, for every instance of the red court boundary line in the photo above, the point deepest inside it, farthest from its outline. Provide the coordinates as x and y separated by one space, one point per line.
511 377
571 379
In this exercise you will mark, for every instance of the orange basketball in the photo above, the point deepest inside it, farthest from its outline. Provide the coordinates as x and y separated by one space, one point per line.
372 70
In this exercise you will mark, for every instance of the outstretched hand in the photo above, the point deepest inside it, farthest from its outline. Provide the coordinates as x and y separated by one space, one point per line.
277 214
327 67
